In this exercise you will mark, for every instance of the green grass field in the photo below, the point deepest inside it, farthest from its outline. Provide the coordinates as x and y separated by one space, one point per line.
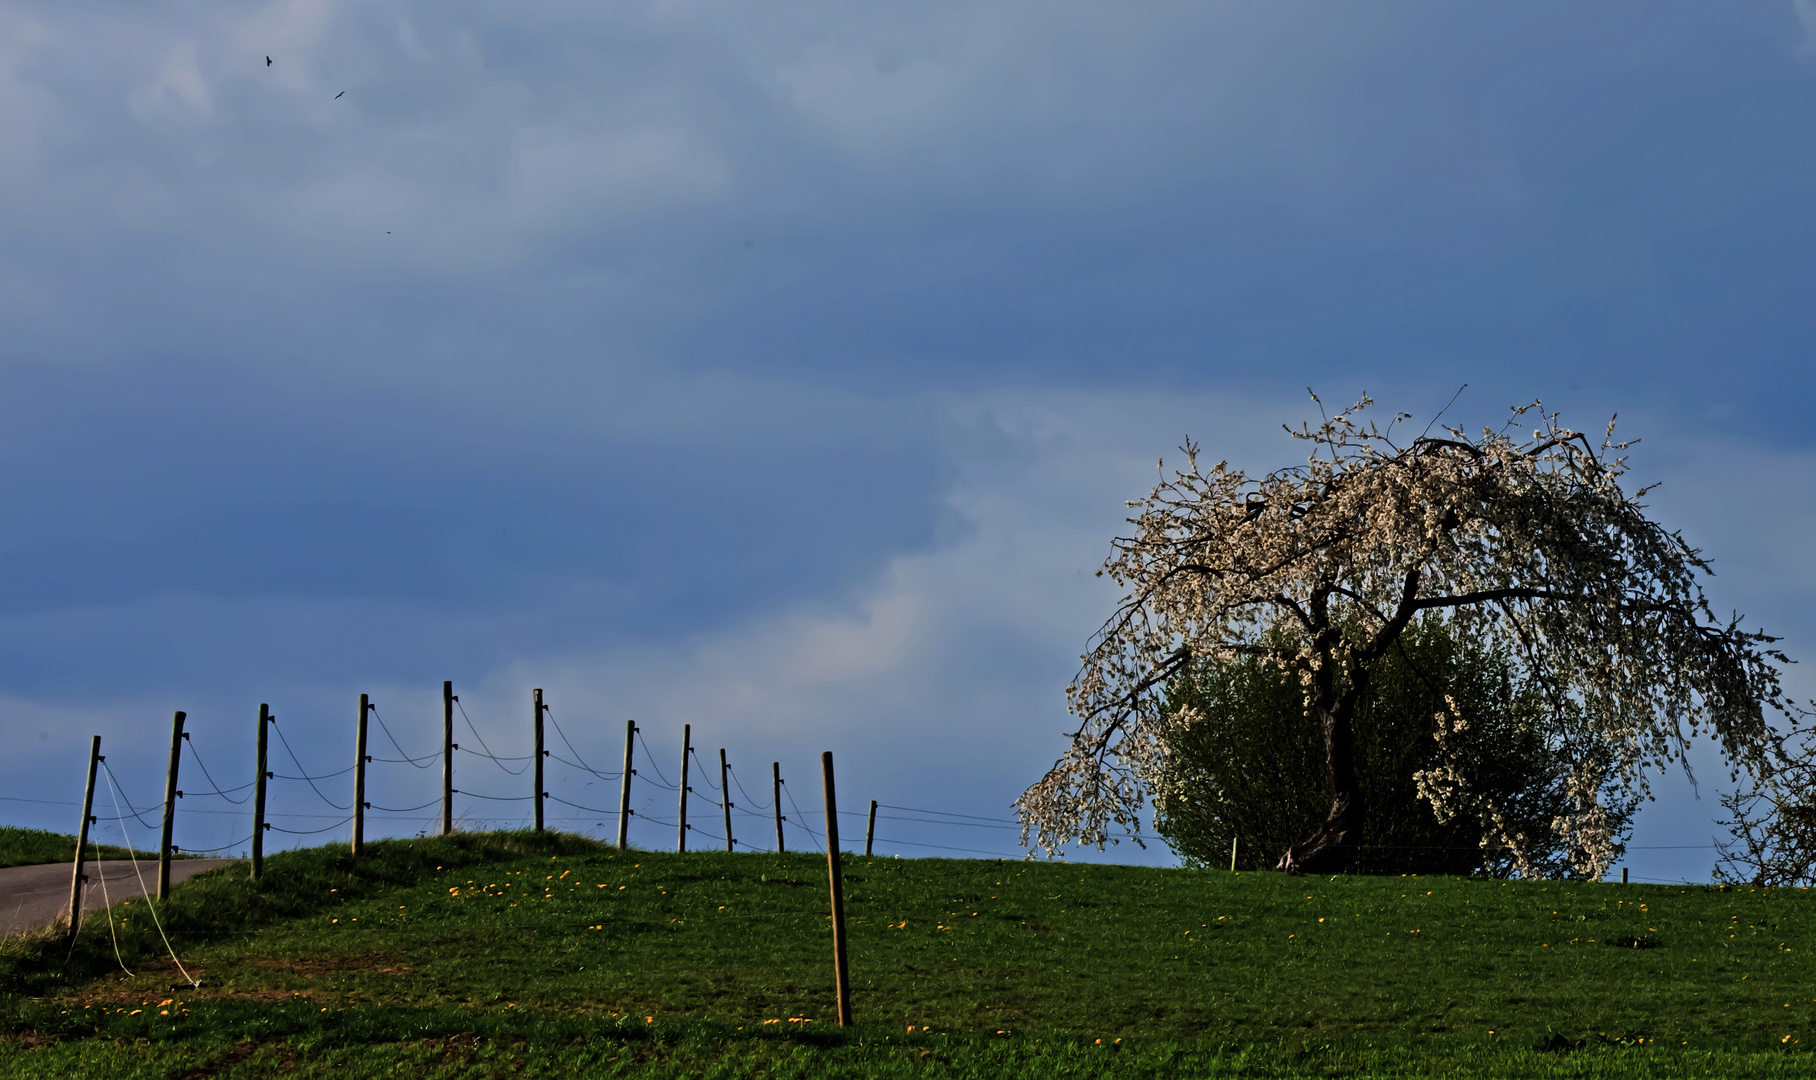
507 954
29 847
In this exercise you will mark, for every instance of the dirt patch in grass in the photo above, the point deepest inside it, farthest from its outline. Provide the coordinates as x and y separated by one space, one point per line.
138 998
225 1062
267 995
315 967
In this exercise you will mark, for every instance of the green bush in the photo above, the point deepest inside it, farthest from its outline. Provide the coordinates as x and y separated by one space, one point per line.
1250 766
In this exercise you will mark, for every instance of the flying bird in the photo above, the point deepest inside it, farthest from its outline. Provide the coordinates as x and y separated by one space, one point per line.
267 61
338 96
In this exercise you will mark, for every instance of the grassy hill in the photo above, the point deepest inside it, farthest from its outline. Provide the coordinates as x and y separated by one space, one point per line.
31 847
549 955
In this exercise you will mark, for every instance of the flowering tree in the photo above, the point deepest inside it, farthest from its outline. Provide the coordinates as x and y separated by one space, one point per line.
1772 821
1528 542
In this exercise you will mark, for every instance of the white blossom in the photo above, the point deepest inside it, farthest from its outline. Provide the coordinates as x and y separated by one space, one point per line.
1532 543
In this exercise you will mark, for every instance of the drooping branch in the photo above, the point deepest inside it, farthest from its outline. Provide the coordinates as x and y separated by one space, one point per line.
1321 567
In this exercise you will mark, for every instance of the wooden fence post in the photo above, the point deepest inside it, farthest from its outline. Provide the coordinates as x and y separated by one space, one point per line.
725 796
258 793
171 795
447 758
870 829
624 797
1233 854
687 751
359 777
540 794
88 807
775 770
841 973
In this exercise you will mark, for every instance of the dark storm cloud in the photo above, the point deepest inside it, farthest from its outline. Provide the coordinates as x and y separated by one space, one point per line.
788 364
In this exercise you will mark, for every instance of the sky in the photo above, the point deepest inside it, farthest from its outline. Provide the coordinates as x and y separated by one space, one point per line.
782 369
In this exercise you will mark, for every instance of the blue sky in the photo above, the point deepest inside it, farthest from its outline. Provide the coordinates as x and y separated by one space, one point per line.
781 369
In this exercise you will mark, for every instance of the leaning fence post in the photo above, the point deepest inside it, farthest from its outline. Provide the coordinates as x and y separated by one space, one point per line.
88 806
687 751
536 706
258 794
171 795
624 796
841 973
870 829
1232 854
725 796
775 771
359 776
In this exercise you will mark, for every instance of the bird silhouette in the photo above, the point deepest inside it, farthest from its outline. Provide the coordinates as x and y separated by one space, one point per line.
267 61
338 96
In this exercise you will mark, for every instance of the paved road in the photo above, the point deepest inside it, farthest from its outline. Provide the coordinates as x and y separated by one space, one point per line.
34 896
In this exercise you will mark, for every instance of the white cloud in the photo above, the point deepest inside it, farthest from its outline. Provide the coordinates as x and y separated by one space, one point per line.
943 676
947 670
872 103
22 104
561 175
938 682
1805 10
363 200
287 31
525 131
178 85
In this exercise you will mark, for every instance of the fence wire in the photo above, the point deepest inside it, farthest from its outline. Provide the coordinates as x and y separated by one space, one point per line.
427 760
579 762
754 816
662 780
496 760
305 772
218 790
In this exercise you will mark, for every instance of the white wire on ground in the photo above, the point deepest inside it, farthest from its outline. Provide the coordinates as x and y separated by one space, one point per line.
107 906
149 903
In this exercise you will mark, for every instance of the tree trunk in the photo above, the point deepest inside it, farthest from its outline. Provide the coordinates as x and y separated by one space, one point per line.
1332 848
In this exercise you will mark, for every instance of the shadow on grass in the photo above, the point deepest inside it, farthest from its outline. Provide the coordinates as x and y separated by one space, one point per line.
304 1040
226 901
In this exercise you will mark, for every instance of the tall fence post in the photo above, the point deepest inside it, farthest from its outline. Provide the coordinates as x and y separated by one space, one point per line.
725 796
171 795
840 972
870 829
624 793
775 774
687 751
258 793
540 794
359 776
447 758
88 808
1233 854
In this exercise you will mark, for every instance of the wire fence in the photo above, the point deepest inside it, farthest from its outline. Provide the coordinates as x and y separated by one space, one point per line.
752 816
654 803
